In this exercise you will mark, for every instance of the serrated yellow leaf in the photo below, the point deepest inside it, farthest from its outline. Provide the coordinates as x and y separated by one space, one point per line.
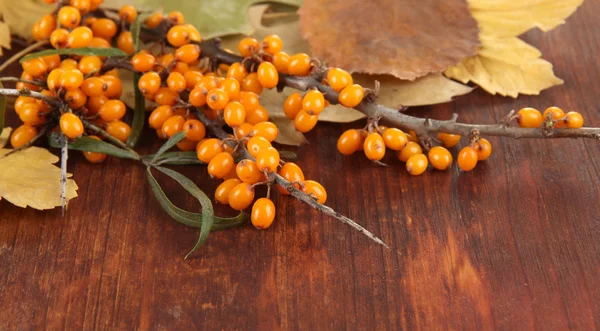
506 66
21 15
509 18
29 178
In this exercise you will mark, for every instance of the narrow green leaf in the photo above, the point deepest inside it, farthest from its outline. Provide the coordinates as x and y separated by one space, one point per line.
167 145
88 144
207 208
109 52
2 109
139 113
135 29
192 219
176 158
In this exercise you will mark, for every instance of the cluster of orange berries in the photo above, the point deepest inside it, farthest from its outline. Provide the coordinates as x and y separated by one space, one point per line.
375 141
554 116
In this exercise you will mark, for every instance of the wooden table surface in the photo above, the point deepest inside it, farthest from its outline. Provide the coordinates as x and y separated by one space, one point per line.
514 244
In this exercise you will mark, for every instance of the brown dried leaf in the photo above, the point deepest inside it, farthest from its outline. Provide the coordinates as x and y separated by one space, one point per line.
406 39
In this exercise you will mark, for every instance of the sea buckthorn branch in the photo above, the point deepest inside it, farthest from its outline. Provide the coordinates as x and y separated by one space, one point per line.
28 93
19 80
369 107
274 177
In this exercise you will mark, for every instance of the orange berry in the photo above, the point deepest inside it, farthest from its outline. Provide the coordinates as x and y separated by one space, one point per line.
220 165
267 75
314 189
71 79
94 157
272 44
339 79
52 61
128 13
223 190
176 17
94 104
257 144
22 135
243 130
268 159
68 64
529 118
241 196
59 38
164 96
411 148
104 28
260 114
159 116
292 105
292 173
89 64
207 150
44 27
374 147
217 99
556 114
248 46
31 113
349 142
248 172
69 17
299 64
80 37
71 125
94 87
351 96
154 20
35 67
449 140
305 122
99 43
192 78
149 83
232 87
483 148
82 5
249 100
394 138
267 130
263 213
112 110
198 97
115 87
125 42
173 125
467 158
176 82
75 98
237 71
119 130
178 36
143 61
313 102
187 53
573 120
281 61
416 164
234 114
251 83
194 130
440 158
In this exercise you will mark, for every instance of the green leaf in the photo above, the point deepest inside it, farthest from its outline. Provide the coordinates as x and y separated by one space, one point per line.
176 158
139 113
212 18
109 52
2 109
89 144
192 219
289 155
207 209
135 29
167 145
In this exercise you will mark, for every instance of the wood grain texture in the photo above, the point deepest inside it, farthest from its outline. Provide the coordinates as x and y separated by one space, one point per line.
514 244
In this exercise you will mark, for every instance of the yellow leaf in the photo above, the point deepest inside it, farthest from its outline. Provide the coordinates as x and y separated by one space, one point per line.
509 18
29 178
4 135
4 37
506 66
21 15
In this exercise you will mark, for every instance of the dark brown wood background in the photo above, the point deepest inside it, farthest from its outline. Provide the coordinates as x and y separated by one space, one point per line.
514 244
